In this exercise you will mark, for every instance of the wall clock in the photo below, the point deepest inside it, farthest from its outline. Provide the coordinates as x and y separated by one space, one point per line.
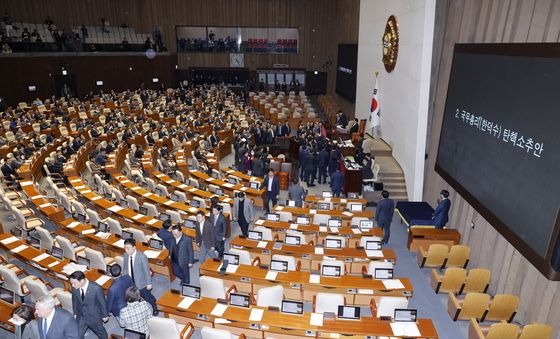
390 43
236 60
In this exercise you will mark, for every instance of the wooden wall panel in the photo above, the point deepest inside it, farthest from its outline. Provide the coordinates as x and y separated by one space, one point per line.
491 21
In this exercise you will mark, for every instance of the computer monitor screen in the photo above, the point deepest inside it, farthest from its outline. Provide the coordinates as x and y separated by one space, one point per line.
233 181
353 195
31 88
334 222
174 197
327 194
190 291
291 203
405 314
143 210
130 334
99 82
219 191
348 312
195 203
330 271
374 245
126 234
355 207
366 224
215 174
301 220
81 218
241 300
254 185
57 252
293 240
156 244
34 241
231 258
190 223
279 265
254 235
159 191
83 261
202 187
333 243
383 273
103 227
324 206
293 307
273 217
19 232
7 295
164 216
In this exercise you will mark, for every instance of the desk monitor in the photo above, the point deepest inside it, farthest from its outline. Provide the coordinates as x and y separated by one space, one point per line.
231 258
164 216
202 187
333 243
356 207
19 232
255 235
374 245
7 295
215 174
334 222
273 217
126 234
366 224
57 252
326 194
241 300
108 195
190 223
103 227
233 180
143 210
174 197
353 195
156 244
99 82
292 240
293 307
190 291
130 334
348 312
254 184
195 203
83 261
279 265
291 203
323 206
219 191
34 241
330 271
81 218
383 273
405 314
32 88
303 220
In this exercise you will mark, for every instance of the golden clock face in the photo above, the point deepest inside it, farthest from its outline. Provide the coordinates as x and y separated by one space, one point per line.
390 43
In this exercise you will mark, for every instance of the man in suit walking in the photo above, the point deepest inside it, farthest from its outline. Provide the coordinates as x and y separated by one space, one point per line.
54 322
272 187
115 296
323 165
384 214
441 214
337 182
218 220
89 306
205 237
242 212
136 265
182 255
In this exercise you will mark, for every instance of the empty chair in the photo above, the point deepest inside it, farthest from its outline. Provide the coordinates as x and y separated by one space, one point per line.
93 217
244 256
502 307
37 288
182 197
365 239
343 240
477 280
137 234
458 256
434 257
78 208
451 281
536 331
270 296
495 331
292 266
47 240
266 233
151 184
68 251
179 176
215 333
319 219
330 262
166 328
132 202
327 302
65 299
285 216
97 260
373 265
26 223
355 221
114 226
11 281
214 288
474 305
386 306
194 183
162 190
174 216
151 209
119 197
301 236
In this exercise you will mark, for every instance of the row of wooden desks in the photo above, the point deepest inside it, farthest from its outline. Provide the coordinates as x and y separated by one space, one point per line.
335 213
255 194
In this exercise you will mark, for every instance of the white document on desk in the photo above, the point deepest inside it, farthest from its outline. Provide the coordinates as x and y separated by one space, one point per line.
293 226
102 280
316 319
151 222
374 253
115 208
271 275
259 222
19 248
219 310
137 216
348 214
231 269
73 224
119 243
88 231
319 250
333 229
40 257
323 229
405 329
256 314
314 279
54 263
356 231
186 303
9 240
312 211
279 208
393 284
262 244
152 254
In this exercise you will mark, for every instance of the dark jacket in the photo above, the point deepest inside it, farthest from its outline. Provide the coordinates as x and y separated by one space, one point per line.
219 226
115 296
384 211
208 237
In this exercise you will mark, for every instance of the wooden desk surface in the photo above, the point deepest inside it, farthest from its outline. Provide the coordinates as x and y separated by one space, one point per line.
333 213
6 314
320 230
241 175
312 199
226 185
278 322
435 233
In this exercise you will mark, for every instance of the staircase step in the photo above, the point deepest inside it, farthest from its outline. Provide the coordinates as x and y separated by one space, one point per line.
382 153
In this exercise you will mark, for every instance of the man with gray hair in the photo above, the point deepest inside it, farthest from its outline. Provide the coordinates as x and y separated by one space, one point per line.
54 323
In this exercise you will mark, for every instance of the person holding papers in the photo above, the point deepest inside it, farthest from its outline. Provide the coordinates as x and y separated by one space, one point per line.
137 267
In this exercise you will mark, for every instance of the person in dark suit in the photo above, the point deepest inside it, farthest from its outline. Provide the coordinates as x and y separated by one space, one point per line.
54 322
341 119
165 234
272 189
115 296
89 305
302 158
367 173
285 129
182 255
337 182
354 128
323 163
25 326
218 221
205 237
441 214
311 168
384 215
136 265
9 171
242 212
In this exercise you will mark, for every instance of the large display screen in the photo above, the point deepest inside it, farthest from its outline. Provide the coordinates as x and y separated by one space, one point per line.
346 71
500 141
